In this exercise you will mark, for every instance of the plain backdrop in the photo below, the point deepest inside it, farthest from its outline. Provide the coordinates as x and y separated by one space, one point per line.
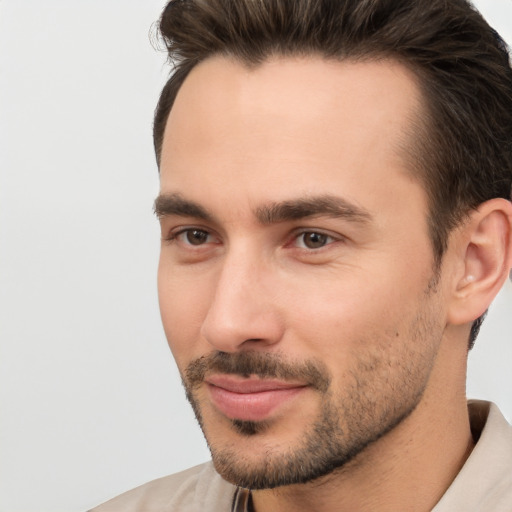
91 403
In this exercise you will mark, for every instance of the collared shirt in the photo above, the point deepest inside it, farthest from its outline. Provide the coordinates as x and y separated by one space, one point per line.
484 484
241 500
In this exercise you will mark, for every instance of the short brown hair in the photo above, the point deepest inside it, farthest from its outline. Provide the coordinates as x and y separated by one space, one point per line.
463 145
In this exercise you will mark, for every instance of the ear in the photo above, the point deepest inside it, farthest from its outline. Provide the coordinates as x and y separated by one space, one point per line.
485 256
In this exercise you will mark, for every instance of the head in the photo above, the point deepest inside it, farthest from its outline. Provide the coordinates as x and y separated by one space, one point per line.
462 151
317 159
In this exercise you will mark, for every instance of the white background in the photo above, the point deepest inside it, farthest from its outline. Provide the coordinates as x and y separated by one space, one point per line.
91 403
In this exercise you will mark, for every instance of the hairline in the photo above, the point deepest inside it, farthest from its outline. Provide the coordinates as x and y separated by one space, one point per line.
412 147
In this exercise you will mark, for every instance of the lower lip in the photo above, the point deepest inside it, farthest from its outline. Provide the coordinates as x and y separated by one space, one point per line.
251 406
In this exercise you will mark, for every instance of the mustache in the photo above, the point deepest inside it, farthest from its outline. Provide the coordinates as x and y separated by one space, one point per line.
263 365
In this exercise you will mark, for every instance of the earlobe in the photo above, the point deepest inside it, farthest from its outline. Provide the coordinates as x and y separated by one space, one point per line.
487 260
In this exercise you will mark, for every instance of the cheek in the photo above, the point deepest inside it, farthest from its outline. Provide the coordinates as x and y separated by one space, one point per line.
183 307
350 313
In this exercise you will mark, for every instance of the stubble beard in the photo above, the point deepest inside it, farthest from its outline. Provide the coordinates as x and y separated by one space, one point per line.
379 393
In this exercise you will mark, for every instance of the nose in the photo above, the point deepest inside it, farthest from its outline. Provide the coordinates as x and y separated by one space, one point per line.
243 313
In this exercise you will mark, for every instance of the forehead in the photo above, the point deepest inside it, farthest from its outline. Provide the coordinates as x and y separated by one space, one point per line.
289 123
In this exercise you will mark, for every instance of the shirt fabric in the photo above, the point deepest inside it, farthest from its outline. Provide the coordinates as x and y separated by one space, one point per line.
484 483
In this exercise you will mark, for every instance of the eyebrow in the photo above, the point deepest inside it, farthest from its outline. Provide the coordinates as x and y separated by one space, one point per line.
176 204
271 213
314 206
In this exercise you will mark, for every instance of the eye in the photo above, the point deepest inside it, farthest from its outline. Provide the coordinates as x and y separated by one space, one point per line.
195 236
192 236
313 240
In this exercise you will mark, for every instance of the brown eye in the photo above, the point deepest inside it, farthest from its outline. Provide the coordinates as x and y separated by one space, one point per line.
314 240
196 236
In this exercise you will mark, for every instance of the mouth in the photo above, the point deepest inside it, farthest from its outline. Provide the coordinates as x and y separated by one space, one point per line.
250 399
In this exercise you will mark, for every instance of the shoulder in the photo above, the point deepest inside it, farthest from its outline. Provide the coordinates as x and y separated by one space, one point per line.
199 488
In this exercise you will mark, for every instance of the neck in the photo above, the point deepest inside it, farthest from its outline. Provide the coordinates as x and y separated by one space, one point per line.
409 468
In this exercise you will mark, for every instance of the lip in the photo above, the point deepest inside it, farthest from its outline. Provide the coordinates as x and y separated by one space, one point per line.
250 399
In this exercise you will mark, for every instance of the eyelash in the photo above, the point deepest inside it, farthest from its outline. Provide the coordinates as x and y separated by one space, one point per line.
174 236
295 238
327 238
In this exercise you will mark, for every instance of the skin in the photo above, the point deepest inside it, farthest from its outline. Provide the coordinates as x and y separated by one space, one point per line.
363 304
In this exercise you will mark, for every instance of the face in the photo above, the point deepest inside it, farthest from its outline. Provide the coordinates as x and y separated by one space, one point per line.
296 275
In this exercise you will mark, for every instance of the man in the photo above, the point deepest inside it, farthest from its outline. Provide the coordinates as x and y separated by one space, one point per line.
336 219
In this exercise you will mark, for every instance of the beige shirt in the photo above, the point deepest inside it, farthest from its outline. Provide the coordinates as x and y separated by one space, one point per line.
484 484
